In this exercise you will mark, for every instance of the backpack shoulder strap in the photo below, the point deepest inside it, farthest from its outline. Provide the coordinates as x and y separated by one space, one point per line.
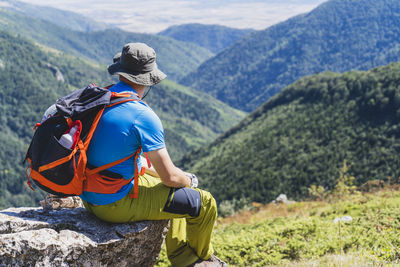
118 98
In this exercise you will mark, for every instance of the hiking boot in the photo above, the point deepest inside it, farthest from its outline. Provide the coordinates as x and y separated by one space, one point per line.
213 261
217 261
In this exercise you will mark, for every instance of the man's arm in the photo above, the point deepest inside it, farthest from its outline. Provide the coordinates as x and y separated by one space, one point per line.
170 175
149 170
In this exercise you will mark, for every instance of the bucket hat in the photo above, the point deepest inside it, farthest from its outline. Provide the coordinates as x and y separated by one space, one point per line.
137 63
117 57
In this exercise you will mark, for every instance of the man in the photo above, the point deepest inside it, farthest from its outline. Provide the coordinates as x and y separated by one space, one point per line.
127 127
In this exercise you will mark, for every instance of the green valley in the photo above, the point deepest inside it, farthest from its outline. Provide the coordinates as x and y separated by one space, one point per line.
302 136
213 37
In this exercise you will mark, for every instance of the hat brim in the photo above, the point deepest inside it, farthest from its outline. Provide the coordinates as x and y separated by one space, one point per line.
143 78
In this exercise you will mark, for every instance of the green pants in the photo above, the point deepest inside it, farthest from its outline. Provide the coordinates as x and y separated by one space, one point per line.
189 236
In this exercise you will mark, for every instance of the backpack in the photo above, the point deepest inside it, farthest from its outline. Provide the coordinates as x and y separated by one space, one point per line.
64 171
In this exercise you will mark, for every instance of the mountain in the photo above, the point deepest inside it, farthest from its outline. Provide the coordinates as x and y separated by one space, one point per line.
303 136
191 119
175 58
32 79
69 19
213 37
339 35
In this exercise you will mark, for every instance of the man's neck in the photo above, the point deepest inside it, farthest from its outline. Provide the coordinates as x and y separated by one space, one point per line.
139 89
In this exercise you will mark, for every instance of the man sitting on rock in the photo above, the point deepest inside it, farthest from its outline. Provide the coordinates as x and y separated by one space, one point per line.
122 130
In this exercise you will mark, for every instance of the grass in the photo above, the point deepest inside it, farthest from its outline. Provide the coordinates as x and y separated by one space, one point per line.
333 261
305 234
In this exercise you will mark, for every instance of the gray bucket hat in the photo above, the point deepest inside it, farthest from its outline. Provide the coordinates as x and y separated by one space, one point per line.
137 63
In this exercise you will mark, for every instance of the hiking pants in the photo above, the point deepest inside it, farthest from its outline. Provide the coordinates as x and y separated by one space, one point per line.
192 212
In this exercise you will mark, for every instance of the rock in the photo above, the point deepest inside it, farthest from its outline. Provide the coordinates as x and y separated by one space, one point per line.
73 237
282 198
53 202
372 185
57 72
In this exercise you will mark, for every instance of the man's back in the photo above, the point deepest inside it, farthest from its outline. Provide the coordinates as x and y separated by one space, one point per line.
122 129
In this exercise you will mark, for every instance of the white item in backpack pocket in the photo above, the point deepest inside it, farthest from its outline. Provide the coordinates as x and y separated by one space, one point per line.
50 112
67 139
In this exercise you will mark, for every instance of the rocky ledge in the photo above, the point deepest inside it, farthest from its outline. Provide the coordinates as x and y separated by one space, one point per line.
73 237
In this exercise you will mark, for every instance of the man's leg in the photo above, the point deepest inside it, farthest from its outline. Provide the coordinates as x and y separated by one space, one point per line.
178 251
194 232
188 239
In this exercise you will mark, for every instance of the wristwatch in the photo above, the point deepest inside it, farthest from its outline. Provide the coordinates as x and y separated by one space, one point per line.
194 182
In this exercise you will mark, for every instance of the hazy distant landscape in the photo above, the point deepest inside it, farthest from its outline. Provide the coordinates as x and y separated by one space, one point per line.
157 15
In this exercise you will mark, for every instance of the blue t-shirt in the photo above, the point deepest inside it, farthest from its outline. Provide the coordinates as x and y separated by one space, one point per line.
122 129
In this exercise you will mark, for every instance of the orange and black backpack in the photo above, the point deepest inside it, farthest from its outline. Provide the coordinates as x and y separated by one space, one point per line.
64 171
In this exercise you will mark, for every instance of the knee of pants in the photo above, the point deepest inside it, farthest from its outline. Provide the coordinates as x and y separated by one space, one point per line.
184 201
209 203
190 201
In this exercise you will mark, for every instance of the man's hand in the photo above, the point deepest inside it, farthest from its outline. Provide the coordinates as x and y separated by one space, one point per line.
170 175
194 182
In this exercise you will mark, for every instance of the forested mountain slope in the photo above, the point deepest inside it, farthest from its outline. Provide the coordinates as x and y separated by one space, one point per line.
28 85
213 37
175 58
69 19
303 135
32 79
191 119
339 35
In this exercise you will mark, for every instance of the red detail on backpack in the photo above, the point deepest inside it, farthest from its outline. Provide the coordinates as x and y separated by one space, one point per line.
136 179
27 177
98 182
77 133
148 160
109 86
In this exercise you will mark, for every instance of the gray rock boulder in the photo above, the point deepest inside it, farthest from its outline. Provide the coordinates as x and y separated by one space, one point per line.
57 72
73 237
282 198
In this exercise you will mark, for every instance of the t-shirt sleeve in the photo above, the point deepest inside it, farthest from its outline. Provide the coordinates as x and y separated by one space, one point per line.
150 131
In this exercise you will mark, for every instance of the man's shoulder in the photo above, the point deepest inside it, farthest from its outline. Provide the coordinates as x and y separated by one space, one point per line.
138 112
142 109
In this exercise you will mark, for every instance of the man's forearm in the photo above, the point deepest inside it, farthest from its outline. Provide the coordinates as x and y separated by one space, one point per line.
152 172
169 174
178 179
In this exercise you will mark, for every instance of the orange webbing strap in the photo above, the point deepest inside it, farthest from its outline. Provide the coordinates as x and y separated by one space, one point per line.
123 94
109 86
73 188
109 165
126 97
28 175
123 101
82 160
58 162
93 127
136 177
142 171
98 183
148 161
69 121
